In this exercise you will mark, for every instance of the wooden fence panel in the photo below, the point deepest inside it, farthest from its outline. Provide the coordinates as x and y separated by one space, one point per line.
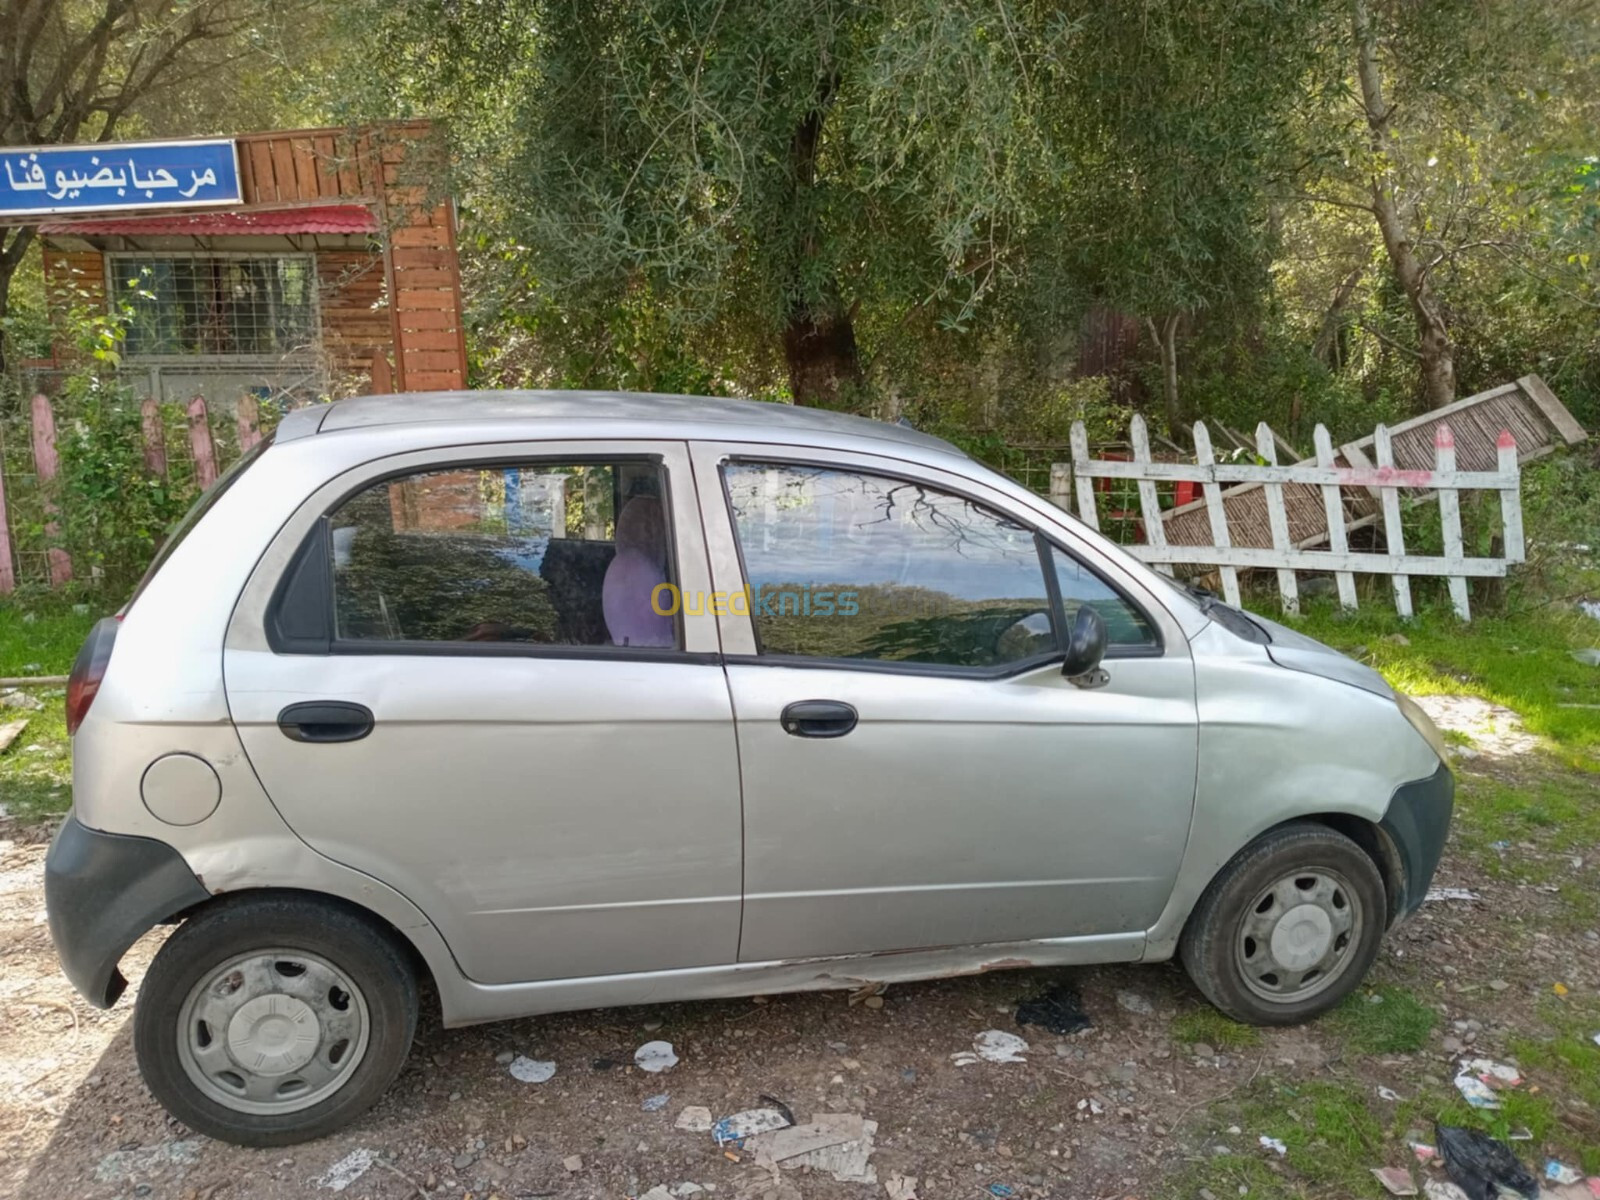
8 572
154 436
1444 446
1445 480
46 464
1393 531
1338 542
1278 520
205 450
1149 503
1215 512
247 417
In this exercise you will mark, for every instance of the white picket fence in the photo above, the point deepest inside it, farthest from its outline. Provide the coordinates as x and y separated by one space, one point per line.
1077 478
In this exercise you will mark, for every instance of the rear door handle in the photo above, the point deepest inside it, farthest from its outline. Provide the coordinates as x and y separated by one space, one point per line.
818 718
325 721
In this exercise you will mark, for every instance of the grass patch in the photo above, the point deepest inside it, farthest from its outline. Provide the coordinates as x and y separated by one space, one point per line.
1329 1130
39 639
1523 662
42 638
1565 1066
1214 1029
1385 1020
1555 811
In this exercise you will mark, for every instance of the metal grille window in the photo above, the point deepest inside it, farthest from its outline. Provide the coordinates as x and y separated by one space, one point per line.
219 306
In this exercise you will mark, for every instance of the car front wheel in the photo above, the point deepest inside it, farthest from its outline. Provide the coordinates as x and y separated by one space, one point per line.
265 1022
1288 928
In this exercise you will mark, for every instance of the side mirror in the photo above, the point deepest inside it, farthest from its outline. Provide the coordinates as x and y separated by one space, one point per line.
1085 648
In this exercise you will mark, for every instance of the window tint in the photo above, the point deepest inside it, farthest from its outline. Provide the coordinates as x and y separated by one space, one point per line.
1125 624
842 564
547 554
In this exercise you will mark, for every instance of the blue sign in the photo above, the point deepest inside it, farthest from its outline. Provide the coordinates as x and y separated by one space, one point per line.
40 180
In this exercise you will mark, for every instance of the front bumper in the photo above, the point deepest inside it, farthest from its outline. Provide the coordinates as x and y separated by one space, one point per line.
1417 823
102 892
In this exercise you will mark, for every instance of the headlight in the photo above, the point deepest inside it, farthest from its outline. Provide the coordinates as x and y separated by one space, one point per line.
1423 724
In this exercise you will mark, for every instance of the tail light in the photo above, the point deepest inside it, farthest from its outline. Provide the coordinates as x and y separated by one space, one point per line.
88 669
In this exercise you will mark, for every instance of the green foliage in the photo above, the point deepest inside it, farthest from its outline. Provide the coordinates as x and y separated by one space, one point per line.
39 636
113 510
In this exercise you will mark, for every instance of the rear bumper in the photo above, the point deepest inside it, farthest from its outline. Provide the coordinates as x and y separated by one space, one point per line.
1417 823
102 892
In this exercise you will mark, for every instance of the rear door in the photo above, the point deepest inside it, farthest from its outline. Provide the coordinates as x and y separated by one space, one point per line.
916 770
464 689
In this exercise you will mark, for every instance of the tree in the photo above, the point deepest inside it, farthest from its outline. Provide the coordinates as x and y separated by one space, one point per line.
78 70
1431 121
817 179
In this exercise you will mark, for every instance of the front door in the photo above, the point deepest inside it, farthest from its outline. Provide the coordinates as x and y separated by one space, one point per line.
501 725
916 770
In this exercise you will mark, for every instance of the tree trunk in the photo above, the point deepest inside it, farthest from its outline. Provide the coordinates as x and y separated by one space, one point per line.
819 334
1328 346
820 350
1434 348
1166 340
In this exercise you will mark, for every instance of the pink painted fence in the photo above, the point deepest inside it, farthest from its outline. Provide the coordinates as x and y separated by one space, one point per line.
202 446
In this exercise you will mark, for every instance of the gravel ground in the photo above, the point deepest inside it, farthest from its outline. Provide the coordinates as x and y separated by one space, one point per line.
1117 1110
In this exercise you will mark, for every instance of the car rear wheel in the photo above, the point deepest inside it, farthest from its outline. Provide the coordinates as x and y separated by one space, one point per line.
265 1022
1288 928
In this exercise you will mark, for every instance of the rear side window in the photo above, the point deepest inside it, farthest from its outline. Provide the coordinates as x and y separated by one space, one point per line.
846 564
552 554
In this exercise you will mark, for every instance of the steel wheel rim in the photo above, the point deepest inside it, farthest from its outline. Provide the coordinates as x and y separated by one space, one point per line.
273 1031
1299 935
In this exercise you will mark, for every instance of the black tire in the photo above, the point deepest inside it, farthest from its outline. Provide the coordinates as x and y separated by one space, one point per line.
1209 940
367 954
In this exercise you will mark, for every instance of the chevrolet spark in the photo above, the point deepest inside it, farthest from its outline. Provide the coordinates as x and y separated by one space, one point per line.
554 701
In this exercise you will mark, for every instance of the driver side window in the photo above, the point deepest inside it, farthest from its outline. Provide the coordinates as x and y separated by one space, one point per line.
846 564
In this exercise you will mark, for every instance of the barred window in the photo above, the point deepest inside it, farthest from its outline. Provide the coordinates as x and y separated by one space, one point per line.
231 306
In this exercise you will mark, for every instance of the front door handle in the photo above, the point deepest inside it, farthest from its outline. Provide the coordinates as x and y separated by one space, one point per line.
818 718
325 721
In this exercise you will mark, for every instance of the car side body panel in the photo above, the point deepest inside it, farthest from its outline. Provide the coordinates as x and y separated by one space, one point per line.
1273 744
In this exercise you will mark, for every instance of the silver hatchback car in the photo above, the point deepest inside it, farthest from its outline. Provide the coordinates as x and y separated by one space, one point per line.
565 700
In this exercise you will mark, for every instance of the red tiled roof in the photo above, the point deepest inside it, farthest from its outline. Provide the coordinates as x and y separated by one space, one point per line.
327 218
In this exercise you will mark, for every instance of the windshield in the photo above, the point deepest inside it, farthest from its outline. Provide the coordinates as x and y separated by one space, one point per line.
196 511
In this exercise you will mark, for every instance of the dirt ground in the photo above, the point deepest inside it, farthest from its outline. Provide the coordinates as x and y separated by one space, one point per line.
1127 1108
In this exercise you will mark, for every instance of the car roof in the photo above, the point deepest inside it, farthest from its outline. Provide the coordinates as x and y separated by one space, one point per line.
706 417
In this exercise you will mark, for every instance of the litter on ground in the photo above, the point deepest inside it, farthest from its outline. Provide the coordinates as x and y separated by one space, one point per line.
741 1125
839 1144
655 1057
1482 1166
694 1119
1274 1144
901 1187
348 1169
1396 1181
1388 1094
1476 1092
1560 1173
655 1103
1060 1011
1434 895
529 1071
993 1045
